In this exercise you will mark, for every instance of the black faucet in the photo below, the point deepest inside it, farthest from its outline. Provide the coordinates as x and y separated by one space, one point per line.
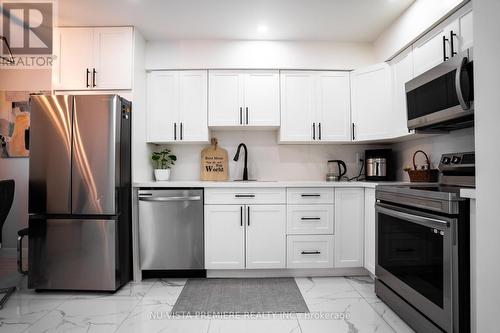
237 156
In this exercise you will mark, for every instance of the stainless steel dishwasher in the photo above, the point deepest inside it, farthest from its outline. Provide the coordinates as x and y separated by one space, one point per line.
171 229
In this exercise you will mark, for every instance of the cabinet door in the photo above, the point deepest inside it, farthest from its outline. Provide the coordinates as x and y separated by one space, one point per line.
193 106
370 230
261 98
162 106
428 52
224 237
333 111
402 72
266 236
349 227
371 102
297 108
465 23
113 58
225 95
75 48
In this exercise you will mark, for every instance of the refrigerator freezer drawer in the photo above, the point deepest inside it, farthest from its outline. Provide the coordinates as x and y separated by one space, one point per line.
73 254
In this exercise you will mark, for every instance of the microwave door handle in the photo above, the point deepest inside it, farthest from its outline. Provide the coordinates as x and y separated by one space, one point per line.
465 105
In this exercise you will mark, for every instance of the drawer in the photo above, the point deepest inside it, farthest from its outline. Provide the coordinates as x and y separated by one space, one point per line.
310 195
310 251
243 196
310 219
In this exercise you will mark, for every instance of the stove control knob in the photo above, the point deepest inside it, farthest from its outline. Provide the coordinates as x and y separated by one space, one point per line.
446 160
456 159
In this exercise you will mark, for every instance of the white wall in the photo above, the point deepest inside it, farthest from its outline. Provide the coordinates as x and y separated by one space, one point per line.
433 146
268 160
486 259
18 168
196 54
421 15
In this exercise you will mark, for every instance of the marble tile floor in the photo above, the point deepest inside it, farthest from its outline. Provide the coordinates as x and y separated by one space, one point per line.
337 304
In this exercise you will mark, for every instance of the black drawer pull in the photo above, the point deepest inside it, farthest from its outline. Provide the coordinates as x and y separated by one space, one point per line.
310 252
310 218
310 195
244 195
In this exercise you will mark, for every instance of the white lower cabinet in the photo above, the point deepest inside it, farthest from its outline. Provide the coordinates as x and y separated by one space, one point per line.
370 230
245 236
349 227
310 251
224 237
310 219
265 231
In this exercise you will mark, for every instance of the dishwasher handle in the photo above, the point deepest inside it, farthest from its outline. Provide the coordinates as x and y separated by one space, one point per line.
169 199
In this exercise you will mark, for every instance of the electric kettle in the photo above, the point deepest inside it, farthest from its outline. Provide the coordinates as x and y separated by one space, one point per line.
336 169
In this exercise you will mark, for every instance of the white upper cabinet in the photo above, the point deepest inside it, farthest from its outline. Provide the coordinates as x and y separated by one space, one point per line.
261 95
177 106
93 58
349 227
371 95
451 37
315 106
113 58
297 109
244 98
333 108
402 72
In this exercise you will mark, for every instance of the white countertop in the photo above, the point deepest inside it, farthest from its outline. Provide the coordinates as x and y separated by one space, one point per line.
253 184
468 193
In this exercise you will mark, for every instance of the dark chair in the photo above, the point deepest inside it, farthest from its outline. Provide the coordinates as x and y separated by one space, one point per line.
7 188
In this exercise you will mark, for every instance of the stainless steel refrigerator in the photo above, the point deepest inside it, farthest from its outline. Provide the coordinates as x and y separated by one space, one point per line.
79 192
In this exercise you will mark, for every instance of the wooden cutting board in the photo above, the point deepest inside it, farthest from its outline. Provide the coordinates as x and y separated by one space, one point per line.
214 163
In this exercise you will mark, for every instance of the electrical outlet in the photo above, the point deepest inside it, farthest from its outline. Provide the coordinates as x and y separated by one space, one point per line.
359 159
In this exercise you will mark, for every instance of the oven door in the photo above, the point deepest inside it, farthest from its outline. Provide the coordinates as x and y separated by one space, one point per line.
414 258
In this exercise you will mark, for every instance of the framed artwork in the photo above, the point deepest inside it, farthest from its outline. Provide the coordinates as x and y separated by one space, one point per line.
14 123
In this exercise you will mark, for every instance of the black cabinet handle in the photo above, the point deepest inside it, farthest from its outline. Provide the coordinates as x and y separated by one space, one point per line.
445 57
246 111
452 36
310 218
94 84
314 131
175 131
181 132
241 216
310 195
248 215
244 195
241 115
310 252
87 78
319 130
353 135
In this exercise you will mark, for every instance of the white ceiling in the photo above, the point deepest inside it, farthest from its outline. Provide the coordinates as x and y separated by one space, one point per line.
329 20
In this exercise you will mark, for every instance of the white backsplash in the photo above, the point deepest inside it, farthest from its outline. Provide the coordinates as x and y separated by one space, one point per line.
266 159
433 146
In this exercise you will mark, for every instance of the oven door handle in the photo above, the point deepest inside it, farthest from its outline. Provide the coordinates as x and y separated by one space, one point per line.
410 217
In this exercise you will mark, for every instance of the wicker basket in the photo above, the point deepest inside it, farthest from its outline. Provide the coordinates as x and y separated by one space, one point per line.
425 175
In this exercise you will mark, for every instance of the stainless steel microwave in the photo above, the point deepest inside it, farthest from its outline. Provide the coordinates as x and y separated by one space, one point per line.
443 97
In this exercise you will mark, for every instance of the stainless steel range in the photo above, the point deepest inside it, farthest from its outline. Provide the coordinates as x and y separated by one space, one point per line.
422 249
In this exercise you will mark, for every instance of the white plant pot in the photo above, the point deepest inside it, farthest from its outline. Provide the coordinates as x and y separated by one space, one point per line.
162 174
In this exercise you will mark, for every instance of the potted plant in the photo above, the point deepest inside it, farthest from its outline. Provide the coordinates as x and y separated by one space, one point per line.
163 161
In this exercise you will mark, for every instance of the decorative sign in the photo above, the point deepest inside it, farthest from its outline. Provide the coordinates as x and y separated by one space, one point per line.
214 163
